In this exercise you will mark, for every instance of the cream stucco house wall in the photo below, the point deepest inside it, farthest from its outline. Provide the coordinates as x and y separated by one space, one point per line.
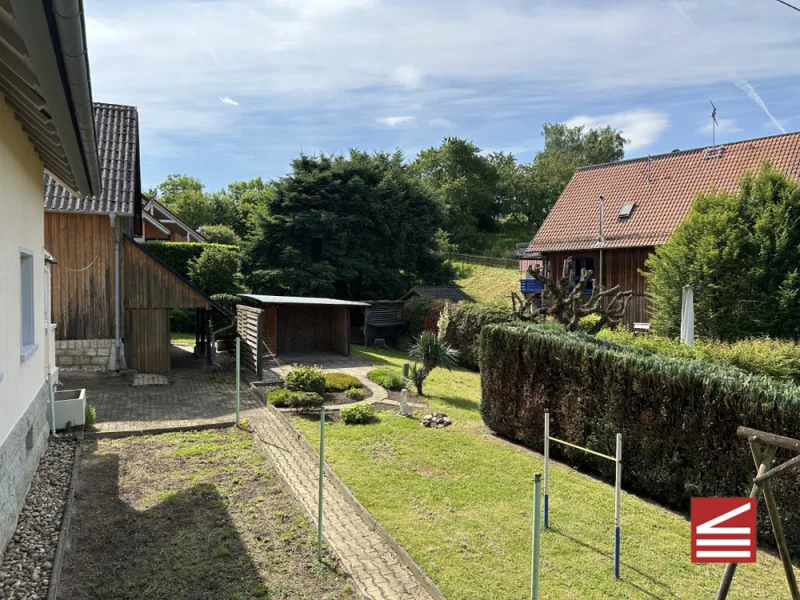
46 125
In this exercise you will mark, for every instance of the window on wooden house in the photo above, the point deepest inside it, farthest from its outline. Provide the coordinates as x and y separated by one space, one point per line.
587 263
27 317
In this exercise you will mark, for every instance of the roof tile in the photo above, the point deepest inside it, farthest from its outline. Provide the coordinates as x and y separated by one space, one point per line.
662 202
117 145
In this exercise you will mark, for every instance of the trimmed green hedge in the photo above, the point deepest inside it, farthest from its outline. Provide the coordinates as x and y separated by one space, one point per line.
761 356
467 319
341 382
678 418
388 377
177 255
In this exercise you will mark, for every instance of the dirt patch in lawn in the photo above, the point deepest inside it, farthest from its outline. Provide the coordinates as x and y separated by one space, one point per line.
197 515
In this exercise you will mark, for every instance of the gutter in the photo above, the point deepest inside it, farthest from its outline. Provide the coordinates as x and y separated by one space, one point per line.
55 39
117 339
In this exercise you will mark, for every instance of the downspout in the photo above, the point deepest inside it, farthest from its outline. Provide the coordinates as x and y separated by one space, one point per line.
602 241
117 340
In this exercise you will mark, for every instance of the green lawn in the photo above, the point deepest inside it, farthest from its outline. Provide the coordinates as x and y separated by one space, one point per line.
186 339
488 285
459 500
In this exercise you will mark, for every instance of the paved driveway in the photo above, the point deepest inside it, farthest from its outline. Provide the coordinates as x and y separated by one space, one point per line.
196 395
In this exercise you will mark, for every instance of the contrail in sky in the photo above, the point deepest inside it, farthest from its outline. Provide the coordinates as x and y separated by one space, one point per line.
737 79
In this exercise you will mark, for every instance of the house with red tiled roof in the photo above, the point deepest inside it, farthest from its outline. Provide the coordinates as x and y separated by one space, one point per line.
643 200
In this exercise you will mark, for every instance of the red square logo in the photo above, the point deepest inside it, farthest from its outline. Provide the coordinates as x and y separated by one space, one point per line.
723 530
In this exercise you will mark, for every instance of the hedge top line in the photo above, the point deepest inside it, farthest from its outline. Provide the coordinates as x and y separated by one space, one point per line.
729 381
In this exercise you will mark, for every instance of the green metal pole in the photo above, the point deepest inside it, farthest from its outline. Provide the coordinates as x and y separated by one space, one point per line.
537 530
321 475
238 376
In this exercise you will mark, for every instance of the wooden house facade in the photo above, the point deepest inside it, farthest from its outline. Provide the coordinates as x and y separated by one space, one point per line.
611 217
111 299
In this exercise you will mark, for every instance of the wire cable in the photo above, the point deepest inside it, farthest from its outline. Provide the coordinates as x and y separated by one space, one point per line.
789 5
84 268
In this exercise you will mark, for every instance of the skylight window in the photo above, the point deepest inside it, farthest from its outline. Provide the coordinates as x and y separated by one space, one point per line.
626 210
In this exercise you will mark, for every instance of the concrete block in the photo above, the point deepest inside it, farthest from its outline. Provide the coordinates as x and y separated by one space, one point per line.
65 361
103 351
100 361
90 352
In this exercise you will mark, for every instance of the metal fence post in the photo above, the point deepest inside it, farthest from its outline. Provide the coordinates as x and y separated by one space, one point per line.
321 475
537 513
546 470
617 498
238 376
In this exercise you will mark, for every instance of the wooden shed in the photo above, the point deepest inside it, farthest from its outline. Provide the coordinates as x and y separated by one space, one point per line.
300 324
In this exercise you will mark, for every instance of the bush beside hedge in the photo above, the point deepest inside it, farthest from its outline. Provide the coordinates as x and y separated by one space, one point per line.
417 311
467 319
761 356
177 255
678 418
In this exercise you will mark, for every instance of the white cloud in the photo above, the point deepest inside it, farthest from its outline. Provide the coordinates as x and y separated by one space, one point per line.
228 100
407 76
723 126
395 121
642 126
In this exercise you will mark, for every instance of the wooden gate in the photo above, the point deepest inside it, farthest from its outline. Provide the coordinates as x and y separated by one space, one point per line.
147 340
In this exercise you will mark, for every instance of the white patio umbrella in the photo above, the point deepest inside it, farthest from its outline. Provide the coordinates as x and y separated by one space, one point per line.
687 315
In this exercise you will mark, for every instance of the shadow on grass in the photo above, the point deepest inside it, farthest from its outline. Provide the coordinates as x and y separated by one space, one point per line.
460 403
623 565
187 546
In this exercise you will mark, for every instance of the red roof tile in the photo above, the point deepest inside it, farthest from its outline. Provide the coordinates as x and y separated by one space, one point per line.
662 203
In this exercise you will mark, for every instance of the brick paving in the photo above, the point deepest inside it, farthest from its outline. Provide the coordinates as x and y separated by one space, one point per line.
196 395
378 572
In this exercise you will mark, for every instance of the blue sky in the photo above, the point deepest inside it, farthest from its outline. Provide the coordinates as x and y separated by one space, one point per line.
233 89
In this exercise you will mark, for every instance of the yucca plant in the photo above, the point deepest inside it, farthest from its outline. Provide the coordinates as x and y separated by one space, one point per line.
431 352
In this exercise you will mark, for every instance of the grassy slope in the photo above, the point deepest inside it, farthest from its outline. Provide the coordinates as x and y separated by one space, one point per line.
489 285
459 500
186 339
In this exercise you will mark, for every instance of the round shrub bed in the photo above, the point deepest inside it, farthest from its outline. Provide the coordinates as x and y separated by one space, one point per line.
341 382
389 378
359 414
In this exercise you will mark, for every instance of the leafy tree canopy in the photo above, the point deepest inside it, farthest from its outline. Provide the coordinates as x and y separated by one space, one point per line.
356 226
464 182
742 252
217 271
219 234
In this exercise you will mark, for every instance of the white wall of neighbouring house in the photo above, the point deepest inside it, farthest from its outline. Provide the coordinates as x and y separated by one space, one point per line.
23 391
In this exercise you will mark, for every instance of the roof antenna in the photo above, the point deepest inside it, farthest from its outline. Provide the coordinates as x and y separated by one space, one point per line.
713 126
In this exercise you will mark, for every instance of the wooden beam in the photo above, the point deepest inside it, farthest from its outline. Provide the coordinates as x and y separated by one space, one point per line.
771 439
789 464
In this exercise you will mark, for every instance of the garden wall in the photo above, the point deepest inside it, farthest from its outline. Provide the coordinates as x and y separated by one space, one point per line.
678 419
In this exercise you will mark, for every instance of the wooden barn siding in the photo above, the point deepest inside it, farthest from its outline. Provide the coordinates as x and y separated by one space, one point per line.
149 285
83 302
147 340
313 329
620 266
270 332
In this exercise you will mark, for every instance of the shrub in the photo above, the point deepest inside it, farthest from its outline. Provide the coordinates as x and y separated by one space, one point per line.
279 398
678 417
759 356
341 382
305 379
180 320
90 416
466 320
417 311
389 378
303 401
217 271
176 255
358 414
220 234
355 393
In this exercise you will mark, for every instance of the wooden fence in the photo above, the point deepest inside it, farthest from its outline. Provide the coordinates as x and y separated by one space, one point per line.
250 326
487 261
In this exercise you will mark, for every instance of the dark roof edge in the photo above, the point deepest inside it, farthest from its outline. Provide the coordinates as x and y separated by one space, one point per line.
56 44
180 277
680 152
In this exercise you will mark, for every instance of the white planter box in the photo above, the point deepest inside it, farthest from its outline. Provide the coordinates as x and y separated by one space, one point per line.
70 408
